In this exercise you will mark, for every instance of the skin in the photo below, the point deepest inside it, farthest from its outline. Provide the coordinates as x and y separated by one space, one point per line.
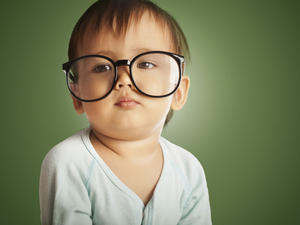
126 135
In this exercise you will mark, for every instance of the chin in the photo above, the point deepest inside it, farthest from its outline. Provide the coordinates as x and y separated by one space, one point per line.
126 129
134 133
128 135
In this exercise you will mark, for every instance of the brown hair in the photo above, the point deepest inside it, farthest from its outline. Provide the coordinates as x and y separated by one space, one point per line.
117 16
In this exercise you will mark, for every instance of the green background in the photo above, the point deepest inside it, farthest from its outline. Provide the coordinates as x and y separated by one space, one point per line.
241 119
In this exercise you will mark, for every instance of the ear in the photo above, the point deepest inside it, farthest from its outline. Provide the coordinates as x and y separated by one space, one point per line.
77 105
181 94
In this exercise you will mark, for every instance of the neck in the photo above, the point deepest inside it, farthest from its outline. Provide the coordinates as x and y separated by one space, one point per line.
144 148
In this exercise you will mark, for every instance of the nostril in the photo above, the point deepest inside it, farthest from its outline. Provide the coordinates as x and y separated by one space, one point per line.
122 85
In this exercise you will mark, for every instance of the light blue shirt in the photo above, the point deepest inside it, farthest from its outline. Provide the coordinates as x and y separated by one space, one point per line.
78 188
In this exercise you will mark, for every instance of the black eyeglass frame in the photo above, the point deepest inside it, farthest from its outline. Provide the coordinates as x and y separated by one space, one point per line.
125 62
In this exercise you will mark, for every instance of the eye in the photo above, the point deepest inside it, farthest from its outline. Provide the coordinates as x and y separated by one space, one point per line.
102 68
145 65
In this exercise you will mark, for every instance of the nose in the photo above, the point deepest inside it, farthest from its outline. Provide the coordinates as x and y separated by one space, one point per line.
123 79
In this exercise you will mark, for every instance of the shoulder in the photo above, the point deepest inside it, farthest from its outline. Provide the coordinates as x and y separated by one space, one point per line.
67 153
185 163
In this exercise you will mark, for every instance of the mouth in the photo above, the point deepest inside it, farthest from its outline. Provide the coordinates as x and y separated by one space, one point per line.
126 102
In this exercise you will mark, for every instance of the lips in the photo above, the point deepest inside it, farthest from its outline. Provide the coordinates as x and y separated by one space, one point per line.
125 102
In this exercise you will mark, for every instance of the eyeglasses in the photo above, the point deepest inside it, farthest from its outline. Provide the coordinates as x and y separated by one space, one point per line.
155 74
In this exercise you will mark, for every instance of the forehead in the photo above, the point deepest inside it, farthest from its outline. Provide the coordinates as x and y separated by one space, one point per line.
146 34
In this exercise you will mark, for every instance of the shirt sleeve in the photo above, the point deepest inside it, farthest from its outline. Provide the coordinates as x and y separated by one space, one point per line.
64 198
197 208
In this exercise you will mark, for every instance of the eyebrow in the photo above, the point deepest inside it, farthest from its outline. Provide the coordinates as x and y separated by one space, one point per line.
105 52
140 50
136 50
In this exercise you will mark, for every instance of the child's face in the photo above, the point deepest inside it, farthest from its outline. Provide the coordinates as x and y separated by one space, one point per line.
142 116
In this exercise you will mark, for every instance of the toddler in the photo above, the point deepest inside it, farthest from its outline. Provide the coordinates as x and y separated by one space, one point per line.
125 72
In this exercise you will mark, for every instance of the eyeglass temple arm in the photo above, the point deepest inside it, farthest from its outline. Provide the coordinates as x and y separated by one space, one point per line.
181 63
66 67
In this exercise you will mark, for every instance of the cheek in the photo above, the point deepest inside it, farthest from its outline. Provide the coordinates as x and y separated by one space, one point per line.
96 110
159 108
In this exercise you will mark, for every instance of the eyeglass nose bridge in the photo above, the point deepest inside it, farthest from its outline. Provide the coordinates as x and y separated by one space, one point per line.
122 62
